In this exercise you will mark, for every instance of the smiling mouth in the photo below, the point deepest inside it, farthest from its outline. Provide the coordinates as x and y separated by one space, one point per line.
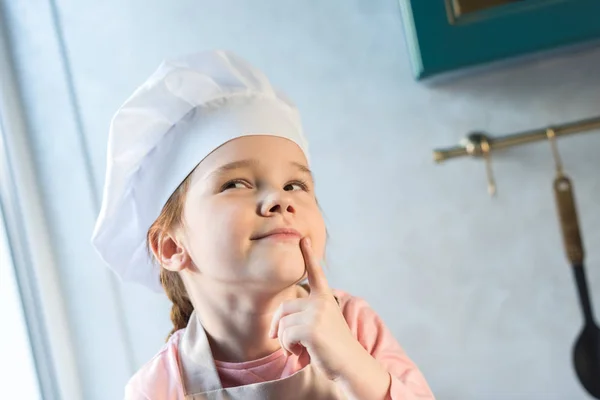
279 234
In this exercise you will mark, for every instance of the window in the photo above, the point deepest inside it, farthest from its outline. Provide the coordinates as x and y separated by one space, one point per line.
37 360
18 378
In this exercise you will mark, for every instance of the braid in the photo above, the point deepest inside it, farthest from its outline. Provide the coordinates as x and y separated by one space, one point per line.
182 308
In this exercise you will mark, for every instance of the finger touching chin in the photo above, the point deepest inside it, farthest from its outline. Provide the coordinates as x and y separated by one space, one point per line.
318 244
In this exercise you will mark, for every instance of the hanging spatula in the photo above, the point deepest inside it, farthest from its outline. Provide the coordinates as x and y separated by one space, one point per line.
586 351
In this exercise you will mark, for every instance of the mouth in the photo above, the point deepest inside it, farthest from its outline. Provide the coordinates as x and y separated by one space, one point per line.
279 234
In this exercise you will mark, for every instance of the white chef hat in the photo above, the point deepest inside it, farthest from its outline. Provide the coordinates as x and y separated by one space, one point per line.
186 109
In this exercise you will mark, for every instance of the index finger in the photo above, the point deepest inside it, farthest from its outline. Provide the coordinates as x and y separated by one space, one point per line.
316 276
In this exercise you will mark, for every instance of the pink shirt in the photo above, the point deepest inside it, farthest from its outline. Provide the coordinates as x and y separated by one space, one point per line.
159 379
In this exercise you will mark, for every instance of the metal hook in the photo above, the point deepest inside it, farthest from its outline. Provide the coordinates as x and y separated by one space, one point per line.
551 135
477 144
486 150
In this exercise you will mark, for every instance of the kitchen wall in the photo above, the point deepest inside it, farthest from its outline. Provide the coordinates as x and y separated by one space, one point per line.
476 289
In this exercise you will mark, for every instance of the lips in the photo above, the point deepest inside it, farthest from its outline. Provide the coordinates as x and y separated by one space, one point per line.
279 233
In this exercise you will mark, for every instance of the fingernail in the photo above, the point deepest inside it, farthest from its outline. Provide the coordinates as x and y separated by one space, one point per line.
307 241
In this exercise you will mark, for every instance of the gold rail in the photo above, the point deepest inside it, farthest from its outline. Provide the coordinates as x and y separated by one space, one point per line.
472 144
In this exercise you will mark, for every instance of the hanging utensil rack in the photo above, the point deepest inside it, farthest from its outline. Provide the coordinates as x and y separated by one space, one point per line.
480 144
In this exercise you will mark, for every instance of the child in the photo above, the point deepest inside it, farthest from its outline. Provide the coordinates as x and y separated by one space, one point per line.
209 194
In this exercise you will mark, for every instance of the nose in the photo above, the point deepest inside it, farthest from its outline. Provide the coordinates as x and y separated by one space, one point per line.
277 202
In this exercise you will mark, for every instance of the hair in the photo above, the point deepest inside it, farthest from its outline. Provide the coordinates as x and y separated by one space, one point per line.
169 219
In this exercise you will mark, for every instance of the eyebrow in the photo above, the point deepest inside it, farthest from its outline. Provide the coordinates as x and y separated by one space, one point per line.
249 163
303 168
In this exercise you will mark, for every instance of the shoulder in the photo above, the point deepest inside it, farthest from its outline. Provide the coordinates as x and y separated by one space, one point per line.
352 306
159 378
372 333
355 309
366 325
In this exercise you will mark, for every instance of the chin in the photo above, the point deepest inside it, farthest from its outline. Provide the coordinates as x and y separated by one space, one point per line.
279 268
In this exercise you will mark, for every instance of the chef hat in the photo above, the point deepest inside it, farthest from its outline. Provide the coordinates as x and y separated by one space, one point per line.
186 109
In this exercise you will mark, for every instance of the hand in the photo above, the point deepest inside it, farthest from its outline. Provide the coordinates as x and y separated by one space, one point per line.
317 324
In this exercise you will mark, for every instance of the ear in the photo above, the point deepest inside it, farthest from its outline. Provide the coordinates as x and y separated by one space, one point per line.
170 253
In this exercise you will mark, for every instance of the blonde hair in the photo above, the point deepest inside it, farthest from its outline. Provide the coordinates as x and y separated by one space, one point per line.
170 218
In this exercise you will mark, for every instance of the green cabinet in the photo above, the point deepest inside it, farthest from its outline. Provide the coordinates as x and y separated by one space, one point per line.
447 35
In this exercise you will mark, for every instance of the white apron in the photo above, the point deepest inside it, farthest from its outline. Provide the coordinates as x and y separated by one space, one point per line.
201 379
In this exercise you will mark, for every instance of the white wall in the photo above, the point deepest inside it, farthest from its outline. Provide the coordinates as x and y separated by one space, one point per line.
477 290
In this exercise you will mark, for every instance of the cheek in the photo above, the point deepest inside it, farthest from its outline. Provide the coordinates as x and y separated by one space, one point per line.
217 227
232 226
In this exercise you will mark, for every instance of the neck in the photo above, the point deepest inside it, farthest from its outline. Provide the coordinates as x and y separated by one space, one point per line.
237 326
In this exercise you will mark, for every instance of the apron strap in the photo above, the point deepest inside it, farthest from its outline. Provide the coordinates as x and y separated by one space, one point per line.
198 371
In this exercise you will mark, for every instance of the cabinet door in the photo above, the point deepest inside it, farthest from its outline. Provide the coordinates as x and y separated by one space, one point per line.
446 35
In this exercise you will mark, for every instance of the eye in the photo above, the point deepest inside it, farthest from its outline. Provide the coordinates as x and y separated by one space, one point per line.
236 184
296 185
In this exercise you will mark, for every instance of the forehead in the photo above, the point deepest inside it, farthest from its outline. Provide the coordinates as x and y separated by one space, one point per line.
267 150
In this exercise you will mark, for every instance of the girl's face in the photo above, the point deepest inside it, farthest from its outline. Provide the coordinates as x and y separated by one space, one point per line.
239 194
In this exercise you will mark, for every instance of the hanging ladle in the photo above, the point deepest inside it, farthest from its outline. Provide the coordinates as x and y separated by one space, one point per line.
586 351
